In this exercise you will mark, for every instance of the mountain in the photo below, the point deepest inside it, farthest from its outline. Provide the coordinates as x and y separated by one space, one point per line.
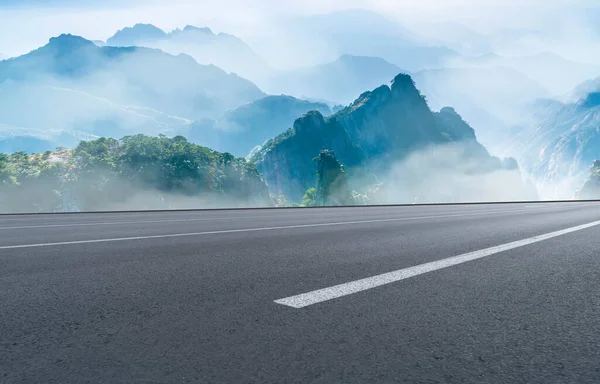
390 136
71 84
562 141
135 172
136 35
10 143
16 139
240 129
339 81
222 50
63 115
490 99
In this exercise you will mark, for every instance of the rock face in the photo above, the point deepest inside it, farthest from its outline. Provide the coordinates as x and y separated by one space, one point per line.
286 161
370 138
563 140
591 187
332 185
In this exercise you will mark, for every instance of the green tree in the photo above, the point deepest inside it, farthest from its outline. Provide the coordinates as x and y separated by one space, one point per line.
309 199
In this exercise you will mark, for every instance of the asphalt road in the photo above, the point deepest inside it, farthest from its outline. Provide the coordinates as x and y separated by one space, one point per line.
506 293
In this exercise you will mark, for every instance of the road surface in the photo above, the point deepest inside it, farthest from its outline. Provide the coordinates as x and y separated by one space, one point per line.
500 293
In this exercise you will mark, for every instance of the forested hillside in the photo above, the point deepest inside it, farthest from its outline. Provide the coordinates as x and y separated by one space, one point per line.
136 172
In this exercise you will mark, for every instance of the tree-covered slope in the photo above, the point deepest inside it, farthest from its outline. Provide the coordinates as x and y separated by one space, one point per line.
135 172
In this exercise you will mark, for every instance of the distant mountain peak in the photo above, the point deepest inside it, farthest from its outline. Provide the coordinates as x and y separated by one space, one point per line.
346 58
192 28
311 122
403 84
449 110
592 100
68 42
139 32
146 28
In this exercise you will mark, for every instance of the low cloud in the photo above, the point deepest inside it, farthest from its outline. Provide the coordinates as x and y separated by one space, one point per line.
449 174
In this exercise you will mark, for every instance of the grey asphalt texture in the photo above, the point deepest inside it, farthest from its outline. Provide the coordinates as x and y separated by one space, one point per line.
201 308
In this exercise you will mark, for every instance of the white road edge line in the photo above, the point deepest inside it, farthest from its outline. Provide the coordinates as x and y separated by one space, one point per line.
337 291
252 229
97 223
104 223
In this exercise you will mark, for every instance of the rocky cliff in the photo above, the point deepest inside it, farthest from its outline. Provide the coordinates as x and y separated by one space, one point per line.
332 183
563 139
371 137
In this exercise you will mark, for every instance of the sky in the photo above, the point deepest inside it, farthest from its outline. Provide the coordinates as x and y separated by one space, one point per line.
27 24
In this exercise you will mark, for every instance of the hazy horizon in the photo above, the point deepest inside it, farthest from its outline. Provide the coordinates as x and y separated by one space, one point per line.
264 18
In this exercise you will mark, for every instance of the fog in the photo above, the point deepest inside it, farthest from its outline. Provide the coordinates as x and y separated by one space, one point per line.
442 174
115 194
450 174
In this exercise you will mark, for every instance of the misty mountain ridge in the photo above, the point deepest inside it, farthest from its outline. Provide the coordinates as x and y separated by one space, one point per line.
562 141
133 36
223 50
112 90
581 91
239 130
388 135
13 139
